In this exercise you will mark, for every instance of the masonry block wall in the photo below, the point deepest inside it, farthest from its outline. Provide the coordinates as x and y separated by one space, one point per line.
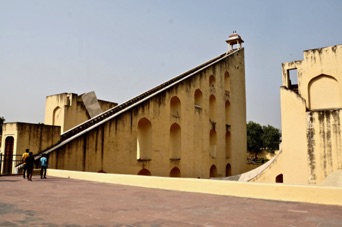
195 127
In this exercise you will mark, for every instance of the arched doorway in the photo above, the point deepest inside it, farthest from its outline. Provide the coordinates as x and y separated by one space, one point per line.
228 170
8 158
175 172
213 171
279 178
144 172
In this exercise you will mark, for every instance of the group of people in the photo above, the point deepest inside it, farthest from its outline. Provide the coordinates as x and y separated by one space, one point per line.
28 161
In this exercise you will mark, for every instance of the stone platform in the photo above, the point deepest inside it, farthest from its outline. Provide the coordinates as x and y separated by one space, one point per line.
68 202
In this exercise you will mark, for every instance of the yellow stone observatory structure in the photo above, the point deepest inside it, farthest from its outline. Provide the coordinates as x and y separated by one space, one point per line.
62 112
311 102
193 125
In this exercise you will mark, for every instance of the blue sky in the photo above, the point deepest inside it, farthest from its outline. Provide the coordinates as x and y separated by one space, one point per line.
120 49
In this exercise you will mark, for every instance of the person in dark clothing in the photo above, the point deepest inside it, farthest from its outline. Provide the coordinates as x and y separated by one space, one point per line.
29 166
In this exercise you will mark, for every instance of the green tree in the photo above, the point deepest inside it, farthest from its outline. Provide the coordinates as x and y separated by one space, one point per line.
271 138
262 138
2 120
254 137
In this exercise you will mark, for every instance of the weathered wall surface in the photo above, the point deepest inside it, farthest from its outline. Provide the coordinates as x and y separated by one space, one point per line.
55 109
35 137
67 110
292 162
325 156
238 113
196 116
106 105
311 129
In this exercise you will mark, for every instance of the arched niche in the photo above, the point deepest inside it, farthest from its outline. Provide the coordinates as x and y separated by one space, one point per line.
212 107
324 92
144 139
212 81
175 141
57 116
226 81
213 143
175 106
198 98
228 145
227 112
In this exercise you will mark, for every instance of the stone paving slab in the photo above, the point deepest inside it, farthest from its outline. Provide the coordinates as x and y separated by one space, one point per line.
68 202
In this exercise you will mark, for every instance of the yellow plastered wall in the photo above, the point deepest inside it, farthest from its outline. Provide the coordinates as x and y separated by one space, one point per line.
55 109
294 120
279 192
35 137
67 110
112 146
325 156
311 119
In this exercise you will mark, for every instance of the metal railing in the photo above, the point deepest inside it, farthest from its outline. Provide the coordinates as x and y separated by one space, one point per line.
8 164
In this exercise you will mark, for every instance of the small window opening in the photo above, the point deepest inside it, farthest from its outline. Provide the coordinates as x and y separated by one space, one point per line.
293 76
279 178
293 79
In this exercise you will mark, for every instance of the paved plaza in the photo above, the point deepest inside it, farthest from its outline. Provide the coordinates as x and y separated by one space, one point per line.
68 202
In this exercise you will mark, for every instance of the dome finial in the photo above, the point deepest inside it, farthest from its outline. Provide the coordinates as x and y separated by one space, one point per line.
234 39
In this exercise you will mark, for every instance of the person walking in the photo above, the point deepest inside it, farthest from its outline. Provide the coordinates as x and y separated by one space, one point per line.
43 166
29 166
23 159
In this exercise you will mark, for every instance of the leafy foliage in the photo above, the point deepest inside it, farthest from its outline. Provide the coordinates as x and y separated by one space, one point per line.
270 138
254 137
262 138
